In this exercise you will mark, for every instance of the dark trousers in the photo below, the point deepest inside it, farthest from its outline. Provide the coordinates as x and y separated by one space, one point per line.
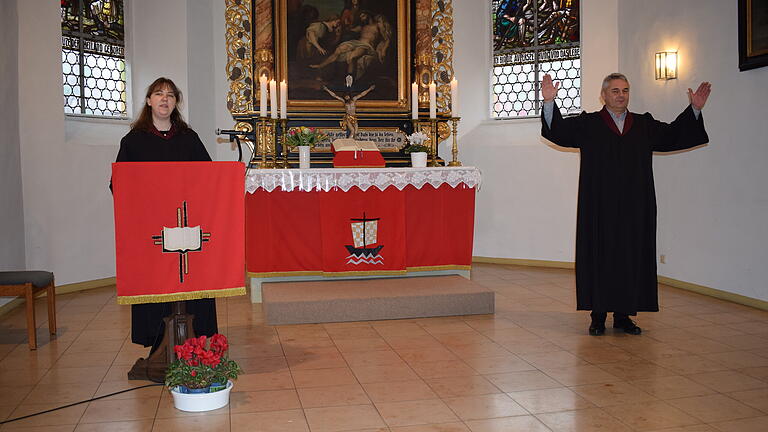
600 316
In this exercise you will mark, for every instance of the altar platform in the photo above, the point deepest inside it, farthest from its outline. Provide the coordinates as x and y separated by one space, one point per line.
378 299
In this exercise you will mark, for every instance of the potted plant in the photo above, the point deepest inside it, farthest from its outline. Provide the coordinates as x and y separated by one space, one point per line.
417 149
305 139
200 377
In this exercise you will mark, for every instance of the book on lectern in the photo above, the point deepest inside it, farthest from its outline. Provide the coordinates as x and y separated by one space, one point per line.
349 153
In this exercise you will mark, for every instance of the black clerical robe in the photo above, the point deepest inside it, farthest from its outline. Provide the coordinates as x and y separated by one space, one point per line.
147 324
616 216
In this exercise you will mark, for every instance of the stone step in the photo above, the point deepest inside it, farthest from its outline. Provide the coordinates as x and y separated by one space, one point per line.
373 299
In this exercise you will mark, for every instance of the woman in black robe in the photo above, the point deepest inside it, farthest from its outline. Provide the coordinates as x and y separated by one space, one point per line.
161 135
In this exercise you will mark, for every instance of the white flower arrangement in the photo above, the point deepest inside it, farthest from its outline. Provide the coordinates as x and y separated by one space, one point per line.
417 138
416 143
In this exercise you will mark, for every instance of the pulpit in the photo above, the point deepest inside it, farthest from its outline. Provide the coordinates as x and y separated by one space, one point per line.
178 236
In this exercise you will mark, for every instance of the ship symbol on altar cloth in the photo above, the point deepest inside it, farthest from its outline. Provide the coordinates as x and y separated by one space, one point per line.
364 234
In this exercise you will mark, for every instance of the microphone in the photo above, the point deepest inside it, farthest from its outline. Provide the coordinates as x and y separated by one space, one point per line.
234 135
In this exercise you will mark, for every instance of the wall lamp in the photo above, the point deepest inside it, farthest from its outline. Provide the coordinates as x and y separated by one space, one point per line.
666 65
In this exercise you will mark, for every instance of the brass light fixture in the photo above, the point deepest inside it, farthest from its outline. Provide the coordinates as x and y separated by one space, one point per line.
666 65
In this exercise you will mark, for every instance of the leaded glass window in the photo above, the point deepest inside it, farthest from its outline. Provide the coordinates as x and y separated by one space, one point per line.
532 38
93 57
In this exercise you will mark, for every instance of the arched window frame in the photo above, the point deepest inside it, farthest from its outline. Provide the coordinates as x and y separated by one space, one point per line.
94 70
549 43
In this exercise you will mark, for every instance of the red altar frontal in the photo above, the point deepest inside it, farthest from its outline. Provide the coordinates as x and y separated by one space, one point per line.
359 222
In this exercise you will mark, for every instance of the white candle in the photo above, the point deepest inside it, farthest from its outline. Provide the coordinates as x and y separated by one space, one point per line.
263 99
273 98
283 99
415 101
432 100
454 97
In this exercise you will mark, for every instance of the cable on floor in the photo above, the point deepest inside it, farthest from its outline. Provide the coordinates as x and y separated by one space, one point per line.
78 403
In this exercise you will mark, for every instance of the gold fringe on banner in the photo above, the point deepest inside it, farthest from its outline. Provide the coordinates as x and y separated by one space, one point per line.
192 295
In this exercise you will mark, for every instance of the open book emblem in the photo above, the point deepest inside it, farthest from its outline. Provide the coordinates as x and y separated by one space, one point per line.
364 234
182 239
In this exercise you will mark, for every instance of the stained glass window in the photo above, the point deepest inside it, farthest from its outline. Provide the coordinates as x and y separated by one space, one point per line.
93 57
532 38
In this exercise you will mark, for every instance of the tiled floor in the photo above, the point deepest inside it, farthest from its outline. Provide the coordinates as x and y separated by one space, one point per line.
701 365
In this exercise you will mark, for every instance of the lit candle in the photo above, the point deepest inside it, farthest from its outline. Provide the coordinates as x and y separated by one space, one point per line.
454 97
273 98
283 99
432 100
263 99
415 101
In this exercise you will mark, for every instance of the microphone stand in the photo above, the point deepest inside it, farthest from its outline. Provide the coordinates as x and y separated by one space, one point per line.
234 135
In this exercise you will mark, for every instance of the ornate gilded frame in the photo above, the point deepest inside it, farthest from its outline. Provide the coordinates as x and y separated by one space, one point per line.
403 29
238 17
432 57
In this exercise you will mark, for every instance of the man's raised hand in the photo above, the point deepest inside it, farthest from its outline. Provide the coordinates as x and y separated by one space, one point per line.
548 89
698 99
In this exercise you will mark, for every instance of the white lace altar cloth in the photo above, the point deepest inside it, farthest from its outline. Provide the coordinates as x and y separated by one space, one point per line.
326 179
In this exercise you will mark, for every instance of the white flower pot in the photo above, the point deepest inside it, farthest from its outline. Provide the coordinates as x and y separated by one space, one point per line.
197 402
304 157
419 159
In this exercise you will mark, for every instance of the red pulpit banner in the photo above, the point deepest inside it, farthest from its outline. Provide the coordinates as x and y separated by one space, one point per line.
179 230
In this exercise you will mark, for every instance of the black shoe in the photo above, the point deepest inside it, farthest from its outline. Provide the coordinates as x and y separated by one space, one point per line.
627 325
597 328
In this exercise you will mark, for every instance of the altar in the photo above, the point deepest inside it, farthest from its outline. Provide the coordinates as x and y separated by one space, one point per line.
316 224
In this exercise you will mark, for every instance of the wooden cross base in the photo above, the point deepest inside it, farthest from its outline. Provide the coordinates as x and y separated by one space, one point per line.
178 328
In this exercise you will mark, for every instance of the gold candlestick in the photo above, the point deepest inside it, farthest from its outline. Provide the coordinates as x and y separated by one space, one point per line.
284 143
433 134
272 139
263 141
455 148
266 143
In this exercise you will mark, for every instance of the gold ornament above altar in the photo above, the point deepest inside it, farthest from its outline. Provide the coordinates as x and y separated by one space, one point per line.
255 39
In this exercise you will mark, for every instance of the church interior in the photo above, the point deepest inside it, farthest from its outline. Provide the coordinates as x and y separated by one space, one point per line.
701 364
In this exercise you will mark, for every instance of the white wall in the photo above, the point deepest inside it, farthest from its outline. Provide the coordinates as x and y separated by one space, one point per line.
45 163
65 162
201 71
159 46
527 205
713 201
12 255
224 149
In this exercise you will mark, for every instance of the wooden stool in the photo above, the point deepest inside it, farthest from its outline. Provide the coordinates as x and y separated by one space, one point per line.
28 284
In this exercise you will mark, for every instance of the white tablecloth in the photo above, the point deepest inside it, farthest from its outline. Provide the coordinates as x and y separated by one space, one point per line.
327 179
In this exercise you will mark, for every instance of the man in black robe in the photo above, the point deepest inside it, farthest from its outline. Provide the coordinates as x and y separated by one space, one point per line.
616 215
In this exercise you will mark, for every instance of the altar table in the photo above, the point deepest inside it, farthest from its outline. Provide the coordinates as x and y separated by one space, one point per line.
313 224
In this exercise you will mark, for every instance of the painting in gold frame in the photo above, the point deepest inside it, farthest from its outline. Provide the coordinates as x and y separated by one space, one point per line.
322 42
753 34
